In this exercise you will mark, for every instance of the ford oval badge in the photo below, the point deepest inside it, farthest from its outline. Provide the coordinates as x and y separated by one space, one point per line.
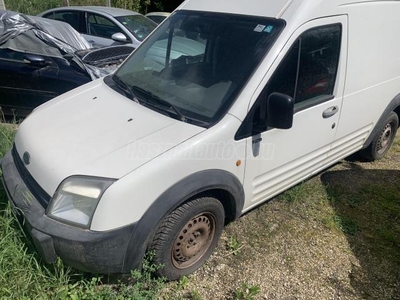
26 158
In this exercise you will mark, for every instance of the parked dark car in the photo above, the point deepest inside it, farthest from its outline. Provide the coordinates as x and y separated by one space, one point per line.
41 59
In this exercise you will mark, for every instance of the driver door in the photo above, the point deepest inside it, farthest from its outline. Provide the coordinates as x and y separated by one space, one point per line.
21 82
99 31
311 70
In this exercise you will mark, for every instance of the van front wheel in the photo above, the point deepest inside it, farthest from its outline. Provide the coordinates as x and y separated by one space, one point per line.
187 236
381 143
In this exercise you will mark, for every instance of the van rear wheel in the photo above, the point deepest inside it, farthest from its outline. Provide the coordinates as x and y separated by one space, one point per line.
381 143
187 236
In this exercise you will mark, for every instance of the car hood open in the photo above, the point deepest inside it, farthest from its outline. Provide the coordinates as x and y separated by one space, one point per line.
95 131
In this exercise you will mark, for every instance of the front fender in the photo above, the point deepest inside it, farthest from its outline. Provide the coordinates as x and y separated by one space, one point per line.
185 189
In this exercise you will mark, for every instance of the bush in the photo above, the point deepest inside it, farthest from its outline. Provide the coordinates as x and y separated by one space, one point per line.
34 7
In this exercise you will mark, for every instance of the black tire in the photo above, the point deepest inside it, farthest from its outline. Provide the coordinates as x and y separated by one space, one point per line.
381 143
185 238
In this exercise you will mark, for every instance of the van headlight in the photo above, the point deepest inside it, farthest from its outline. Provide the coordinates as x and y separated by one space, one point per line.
76 199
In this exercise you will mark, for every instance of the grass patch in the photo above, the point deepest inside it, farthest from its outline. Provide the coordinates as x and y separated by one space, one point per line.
246 292
373 209
7 133
233 245
367 210
310 202
346 225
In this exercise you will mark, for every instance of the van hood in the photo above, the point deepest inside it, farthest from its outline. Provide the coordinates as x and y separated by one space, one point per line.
95 131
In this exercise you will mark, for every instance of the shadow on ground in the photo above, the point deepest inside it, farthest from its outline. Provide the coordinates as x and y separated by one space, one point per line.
367 210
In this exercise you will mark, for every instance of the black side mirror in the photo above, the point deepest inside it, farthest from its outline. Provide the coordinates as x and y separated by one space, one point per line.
35 60
280 110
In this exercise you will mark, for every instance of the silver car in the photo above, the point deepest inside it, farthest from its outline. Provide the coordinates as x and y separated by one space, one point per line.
158 16
104 26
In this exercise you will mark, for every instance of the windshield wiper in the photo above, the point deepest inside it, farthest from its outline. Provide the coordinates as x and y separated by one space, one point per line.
160 101
129 90
125 87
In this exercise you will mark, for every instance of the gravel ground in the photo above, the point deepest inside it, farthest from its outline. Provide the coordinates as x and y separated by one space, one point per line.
291 248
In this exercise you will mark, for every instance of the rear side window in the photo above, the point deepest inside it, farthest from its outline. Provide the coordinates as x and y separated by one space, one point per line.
12 56
73 18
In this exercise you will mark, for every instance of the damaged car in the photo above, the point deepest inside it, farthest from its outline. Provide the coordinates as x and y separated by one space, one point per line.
41 59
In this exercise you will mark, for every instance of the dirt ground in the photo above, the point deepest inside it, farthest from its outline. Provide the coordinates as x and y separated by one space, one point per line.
336 236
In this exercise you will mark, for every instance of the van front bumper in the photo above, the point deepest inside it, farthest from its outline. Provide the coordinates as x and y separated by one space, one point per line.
91 251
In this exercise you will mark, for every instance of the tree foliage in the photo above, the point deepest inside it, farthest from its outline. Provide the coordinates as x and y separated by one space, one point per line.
34 7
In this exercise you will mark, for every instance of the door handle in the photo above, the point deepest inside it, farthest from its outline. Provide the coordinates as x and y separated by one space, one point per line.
331 111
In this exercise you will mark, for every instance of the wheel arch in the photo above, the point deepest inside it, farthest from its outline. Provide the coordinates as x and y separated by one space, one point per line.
397 111
394 105
220 184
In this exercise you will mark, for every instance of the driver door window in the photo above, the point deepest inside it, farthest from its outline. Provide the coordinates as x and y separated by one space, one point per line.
100 26
307 74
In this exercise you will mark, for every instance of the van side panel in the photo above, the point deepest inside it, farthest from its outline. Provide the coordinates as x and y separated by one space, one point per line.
373 72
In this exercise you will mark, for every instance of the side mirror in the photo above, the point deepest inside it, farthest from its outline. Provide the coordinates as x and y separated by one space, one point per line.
280 110
119 37
35 60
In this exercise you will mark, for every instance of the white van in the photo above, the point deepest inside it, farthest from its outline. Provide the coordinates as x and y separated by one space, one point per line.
162 154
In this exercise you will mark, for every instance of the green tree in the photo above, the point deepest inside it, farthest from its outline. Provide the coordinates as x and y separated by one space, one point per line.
33 7
135 5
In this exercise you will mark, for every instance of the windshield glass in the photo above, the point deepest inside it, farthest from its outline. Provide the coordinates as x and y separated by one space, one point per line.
198 62
157 19
138 25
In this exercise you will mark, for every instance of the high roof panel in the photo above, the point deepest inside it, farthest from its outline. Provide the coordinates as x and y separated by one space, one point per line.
267 8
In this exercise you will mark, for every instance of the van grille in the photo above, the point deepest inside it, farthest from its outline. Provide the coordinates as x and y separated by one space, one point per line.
36 190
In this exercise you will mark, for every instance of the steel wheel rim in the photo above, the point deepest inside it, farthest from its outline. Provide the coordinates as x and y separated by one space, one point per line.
193 240
385 138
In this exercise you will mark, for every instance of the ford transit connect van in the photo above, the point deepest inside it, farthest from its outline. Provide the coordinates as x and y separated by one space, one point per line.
225 105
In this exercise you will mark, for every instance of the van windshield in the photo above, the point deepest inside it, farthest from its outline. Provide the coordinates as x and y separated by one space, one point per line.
195 64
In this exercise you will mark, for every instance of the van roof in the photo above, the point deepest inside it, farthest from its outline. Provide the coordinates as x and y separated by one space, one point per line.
267 8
